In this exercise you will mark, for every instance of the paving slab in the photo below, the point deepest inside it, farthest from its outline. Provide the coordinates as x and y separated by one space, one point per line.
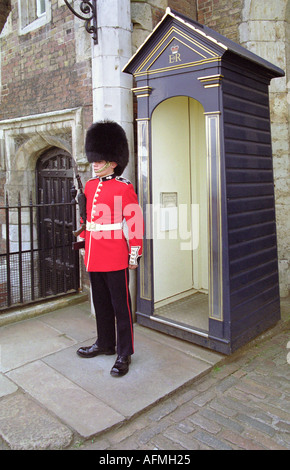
205 355
6 386
76 322
27 341
83 412
25 425
156 371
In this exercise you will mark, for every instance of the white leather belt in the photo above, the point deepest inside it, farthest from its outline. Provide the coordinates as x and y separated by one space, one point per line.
93 227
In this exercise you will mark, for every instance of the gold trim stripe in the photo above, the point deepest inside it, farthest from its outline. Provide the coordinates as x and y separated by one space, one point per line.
211 81
141 89
177 67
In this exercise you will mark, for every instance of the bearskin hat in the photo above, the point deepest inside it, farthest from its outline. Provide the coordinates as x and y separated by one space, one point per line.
106 140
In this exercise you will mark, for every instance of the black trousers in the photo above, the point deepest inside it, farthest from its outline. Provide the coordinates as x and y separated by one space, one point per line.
112 303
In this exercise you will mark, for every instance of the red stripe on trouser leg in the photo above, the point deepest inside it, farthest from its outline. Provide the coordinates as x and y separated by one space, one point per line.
129 309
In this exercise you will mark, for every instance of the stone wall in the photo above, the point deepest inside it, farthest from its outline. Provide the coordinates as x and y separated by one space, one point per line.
265 31
146 14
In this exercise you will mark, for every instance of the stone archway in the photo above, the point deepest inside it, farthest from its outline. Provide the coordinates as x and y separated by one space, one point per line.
21 176
20 186
265 30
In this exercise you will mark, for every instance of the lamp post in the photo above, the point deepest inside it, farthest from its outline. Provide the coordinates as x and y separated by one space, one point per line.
87 7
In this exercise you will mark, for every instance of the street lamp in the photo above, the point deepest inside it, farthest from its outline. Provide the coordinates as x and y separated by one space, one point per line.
88 8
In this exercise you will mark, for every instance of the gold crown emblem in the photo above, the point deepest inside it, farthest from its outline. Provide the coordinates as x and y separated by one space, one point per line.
174 49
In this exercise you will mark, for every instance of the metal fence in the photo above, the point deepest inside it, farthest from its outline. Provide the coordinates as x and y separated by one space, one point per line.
36 257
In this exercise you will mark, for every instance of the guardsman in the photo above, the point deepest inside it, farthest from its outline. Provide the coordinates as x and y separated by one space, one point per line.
111 249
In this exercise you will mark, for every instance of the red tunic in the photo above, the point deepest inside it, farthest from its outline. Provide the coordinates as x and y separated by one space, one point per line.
110 200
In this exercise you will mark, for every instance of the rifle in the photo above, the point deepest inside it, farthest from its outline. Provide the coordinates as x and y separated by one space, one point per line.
82 202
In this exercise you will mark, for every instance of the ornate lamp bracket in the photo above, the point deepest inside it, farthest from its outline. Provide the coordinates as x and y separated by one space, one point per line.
87 8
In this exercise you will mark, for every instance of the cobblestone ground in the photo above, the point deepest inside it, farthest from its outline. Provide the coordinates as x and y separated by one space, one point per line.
244 404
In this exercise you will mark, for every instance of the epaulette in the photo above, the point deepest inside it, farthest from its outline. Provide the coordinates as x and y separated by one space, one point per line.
122 180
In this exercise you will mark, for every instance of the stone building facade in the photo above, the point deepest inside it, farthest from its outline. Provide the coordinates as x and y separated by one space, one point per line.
54 81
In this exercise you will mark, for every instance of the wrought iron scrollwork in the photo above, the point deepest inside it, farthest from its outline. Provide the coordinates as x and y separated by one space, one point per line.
87 8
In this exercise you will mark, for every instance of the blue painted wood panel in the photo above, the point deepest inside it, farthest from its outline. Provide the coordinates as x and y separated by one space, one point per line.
253 264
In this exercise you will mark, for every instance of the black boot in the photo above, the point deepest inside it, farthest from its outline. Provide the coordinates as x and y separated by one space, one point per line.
121 366
94 350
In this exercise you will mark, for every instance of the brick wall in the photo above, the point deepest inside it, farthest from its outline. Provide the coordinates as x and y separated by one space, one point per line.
185 7
224 16
40 71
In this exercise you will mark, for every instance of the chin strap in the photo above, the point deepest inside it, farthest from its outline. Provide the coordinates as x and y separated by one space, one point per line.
107 164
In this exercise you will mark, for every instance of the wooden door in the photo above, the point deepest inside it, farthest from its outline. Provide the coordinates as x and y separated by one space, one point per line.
59 272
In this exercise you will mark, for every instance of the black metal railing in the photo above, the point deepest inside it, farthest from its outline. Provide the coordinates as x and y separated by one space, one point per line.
36 257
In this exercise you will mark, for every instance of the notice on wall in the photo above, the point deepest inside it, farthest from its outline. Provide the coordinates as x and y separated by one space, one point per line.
168 212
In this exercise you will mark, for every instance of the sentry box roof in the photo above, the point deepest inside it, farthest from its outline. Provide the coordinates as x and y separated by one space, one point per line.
201 46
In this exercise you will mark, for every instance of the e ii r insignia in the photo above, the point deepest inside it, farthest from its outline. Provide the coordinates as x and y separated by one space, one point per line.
175 55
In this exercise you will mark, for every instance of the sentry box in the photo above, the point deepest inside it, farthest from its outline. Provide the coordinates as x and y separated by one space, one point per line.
209 272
